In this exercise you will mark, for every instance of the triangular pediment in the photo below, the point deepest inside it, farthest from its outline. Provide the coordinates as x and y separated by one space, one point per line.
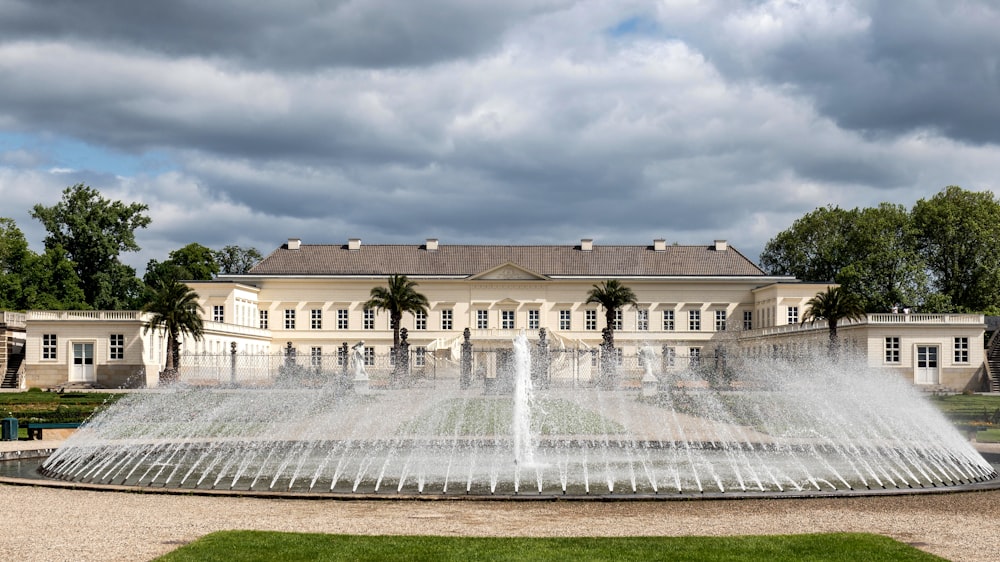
509 272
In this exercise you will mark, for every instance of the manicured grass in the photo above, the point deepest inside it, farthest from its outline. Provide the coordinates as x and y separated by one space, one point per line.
988 436
961 405
35 406
249 546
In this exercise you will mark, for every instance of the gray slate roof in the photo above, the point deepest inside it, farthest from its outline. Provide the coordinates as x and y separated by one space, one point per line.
465 260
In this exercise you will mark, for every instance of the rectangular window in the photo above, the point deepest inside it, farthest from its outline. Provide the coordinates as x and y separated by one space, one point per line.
49 346
341 356
116 346
892 349
342 323
668 320
447 317
316 319
670 357
369 356
369 320
507 319
564 320
748 320
420 320
694 356
262 320
316 356
482 319
420 357
793 315
218 313
694 320
720 320
289 318
533 319
618 319
642 320
961 350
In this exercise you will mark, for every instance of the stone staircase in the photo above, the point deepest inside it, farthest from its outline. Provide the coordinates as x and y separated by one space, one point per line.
993 361
14 361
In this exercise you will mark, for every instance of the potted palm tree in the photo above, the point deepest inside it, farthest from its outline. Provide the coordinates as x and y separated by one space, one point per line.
175 309
833 305
612 296
399 297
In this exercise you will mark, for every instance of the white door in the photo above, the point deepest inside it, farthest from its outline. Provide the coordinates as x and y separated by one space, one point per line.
927 365
83 363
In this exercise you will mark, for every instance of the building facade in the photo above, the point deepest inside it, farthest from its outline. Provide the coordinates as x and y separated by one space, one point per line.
308 301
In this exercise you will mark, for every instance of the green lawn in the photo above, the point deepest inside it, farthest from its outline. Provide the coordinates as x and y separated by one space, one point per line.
37 406
249 546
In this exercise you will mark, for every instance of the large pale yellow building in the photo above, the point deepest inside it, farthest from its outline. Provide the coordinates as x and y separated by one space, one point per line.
309 298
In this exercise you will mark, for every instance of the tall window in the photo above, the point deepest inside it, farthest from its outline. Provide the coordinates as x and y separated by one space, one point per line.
420 357
618 319
369 319
694 320
316 319
533 321
369 356
892 349
420 320
694 356
720 320
341 356
642 320
289 318
447 318
116 346
590 319
793 315
342 322
670 357
507 319
961 350
262 320
564 320
668 320
218 313
49 346
316 356
748 320
482 319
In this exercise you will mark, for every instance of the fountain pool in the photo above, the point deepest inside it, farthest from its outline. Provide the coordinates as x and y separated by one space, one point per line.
773 427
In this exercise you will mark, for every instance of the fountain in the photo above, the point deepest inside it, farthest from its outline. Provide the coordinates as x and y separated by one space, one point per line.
794 427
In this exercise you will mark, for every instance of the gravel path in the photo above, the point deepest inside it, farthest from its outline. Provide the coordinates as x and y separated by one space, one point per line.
86 525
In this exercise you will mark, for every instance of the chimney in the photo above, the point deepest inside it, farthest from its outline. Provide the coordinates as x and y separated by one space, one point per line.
660 245
353 243
586 244
294 243
721 246
432 244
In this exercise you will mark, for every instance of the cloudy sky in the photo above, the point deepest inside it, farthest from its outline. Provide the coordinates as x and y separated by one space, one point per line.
521 121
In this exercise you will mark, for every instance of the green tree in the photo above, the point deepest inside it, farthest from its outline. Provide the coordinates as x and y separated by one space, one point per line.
234 260
51 283
833 305
612 296
94 231
175 310
14 256
814 248
399 297
193 262
957 234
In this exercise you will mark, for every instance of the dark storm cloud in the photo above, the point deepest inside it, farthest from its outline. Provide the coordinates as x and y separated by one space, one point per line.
297 35
879 67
